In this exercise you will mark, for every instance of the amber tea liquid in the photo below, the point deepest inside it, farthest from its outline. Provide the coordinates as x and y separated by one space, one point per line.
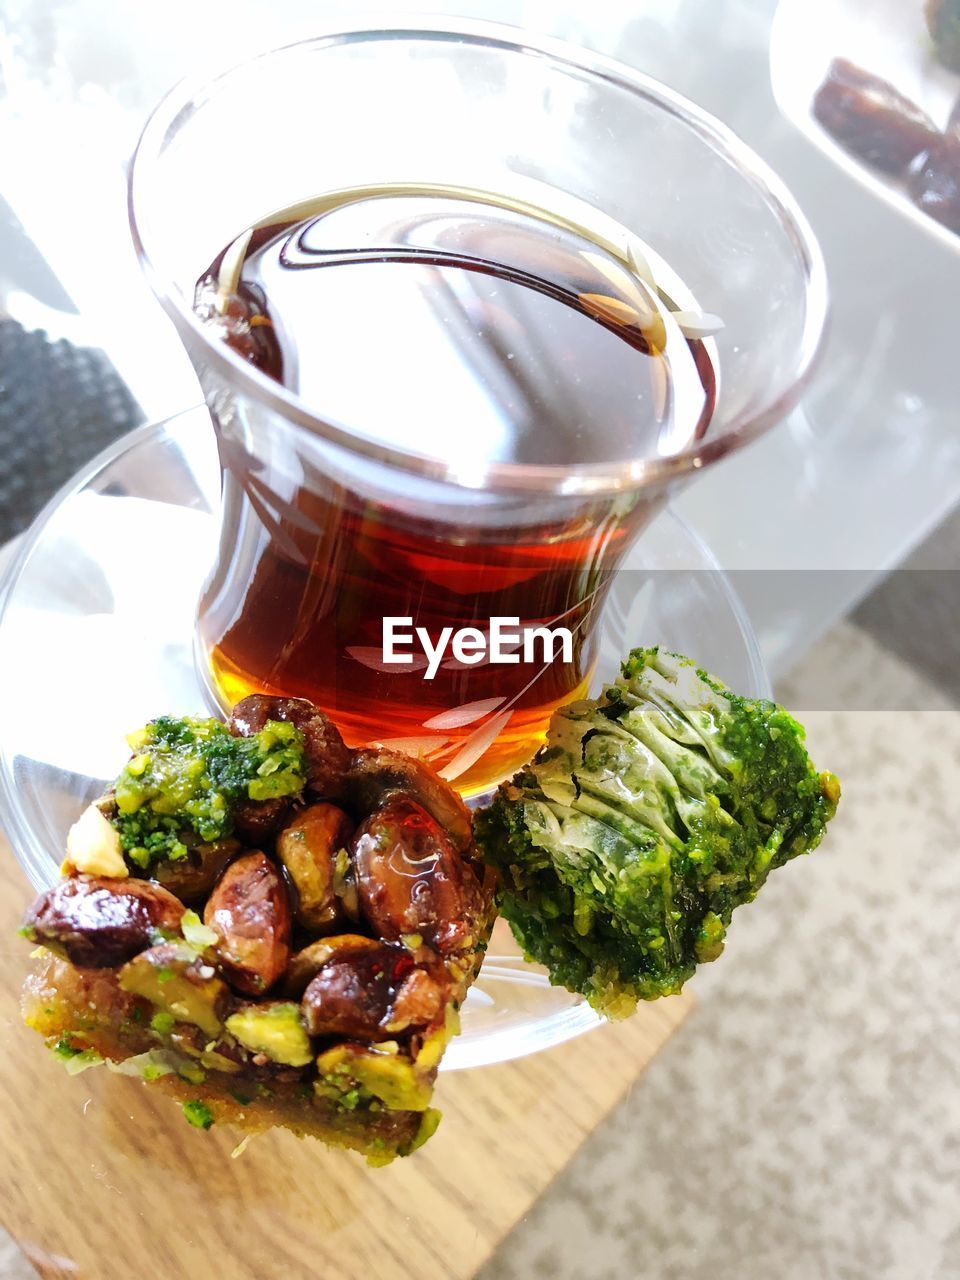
448 328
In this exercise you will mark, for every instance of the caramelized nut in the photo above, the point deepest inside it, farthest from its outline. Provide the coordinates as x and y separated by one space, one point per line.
418 1003
391 1077
306 964
353 994
257 821
377 772
249 910
409 876
309 848
99 923
93 847
195 875
272 1028
328 756
179 982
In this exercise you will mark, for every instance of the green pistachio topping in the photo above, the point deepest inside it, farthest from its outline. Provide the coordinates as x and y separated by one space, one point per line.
187 777
651 814
197 1114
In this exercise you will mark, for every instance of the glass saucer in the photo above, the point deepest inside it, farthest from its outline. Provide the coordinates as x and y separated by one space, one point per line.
96 636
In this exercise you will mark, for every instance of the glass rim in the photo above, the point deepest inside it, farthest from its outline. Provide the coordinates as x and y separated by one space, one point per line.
586 479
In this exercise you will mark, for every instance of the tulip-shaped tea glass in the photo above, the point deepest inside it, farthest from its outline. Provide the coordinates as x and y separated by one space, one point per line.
483 498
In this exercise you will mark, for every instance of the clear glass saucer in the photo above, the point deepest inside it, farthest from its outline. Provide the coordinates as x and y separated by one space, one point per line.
96 637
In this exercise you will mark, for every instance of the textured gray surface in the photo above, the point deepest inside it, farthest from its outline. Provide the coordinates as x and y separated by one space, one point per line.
59 405
916 613
805 1121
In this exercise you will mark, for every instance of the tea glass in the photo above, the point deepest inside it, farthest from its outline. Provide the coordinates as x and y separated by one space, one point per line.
473 105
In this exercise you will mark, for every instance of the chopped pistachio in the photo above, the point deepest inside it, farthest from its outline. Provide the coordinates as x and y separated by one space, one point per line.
198 1114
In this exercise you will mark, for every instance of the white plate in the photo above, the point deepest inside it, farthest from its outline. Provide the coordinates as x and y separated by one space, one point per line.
886 37
97 616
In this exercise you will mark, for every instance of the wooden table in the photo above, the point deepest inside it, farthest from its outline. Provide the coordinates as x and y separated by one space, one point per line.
101 1179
